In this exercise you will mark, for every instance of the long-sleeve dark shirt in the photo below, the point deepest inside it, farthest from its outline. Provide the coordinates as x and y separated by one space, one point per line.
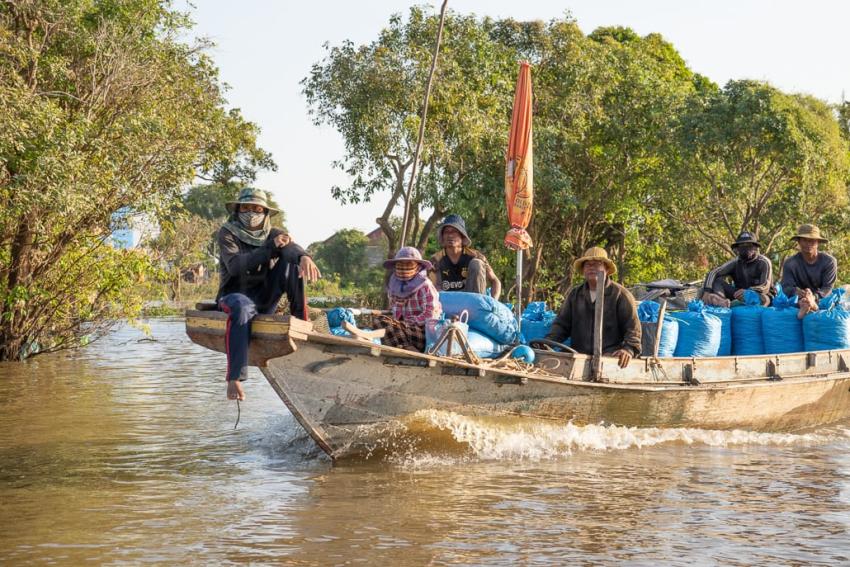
244 268
818 277
620 323
756 274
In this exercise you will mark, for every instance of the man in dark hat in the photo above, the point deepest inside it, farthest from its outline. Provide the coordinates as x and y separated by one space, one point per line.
258 264
458 266
809 274
749 270
620 324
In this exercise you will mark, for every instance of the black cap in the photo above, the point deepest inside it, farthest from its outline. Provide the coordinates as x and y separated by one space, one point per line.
746 237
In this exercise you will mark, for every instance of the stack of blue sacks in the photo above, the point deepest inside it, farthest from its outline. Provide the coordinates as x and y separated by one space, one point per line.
492 325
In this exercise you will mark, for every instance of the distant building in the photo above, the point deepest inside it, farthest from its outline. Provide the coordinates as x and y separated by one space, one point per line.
376 249
131 229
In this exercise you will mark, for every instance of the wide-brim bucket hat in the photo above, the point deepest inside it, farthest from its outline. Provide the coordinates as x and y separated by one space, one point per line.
745 237
457 223
252 196
407 253
596 253
809 231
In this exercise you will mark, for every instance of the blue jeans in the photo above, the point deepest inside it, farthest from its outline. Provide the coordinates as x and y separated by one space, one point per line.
242 307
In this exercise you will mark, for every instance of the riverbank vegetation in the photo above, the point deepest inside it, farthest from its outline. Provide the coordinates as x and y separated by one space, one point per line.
104 109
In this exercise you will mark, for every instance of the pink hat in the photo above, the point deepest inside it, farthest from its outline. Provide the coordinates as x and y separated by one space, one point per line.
408 253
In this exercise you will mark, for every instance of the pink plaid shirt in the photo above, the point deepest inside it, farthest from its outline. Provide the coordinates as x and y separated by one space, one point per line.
418 307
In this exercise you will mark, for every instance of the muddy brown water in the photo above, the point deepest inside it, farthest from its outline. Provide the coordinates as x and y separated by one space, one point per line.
124 453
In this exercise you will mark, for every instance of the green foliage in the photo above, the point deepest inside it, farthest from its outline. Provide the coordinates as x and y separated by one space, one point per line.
751 157
372 95
104 109
343 255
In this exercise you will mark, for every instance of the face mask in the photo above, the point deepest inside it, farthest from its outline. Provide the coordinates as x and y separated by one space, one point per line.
405 273
747 253
251 219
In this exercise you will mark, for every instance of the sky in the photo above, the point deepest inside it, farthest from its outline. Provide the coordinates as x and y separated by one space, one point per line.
265 47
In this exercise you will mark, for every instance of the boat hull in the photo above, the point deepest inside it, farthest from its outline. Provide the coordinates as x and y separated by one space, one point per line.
340 398
349 394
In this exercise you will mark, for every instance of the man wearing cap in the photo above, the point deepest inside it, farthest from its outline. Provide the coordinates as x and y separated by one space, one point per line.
458 267
413 300
749 270
620 323
809 274
258 264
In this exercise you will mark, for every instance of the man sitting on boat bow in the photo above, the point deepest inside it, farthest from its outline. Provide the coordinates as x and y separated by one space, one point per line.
458 266
258 264
809 274
749 270
620 325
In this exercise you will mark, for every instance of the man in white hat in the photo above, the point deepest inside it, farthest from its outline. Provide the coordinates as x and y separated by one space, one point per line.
258 264
809 274
620 324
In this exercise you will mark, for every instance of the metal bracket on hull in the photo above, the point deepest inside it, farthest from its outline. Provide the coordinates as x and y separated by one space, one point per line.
773 370
461 371
404 361
689 373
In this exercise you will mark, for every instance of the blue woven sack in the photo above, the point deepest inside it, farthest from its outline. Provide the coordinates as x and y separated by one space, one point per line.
829 328
648 315
484 346
434 329
339 314
699 331
486 315
536 321
746 326
725 316
781 330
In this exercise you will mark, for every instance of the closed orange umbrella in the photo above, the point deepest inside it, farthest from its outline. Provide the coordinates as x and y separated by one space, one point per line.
519 170
519 188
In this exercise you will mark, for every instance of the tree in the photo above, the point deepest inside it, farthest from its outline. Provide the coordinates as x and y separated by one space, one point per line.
754 158
372 95
183 243
343 254
103 109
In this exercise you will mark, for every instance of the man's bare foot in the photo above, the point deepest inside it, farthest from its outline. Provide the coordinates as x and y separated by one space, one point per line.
234 390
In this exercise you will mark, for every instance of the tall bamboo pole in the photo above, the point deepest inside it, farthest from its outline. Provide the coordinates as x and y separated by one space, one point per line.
418 150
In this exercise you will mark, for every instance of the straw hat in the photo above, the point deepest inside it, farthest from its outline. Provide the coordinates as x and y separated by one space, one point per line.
595 253
809 231
408 253
252 196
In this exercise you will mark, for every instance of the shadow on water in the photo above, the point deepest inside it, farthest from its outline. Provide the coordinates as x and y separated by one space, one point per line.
125 452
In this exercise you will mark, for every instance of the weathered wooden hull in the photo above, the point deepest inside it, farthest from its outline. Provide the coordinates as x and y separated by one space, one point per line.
346 393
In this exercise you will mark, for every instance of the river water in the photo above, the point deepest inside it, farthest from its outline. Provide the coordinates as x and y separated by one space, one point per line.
125 453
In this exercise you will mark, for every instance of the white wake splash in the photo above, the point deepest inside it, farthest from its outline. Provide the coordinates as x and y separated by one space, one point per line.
523 439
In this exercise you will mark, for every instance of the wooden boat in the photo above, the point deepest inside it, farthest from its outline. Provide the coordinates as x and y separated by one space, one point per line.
346 392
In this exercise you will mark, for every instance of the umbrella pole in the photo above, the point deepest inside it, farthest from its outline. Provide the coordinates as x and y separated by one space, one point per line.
519 291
